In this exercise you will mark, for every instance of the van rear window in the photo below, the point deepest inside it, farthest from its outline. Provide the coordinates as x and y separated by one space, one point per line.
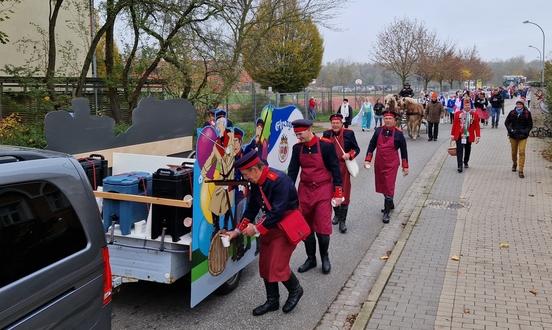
38 226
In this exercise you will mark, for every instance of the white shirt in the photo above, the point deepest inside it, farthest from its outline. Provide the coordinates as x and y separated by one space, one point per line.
345 110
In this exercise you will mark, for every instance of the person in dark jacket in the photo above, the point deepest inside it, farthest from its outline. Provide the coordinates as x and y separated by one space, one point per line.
346 147
519 123
378 113
496 106
274 193
320 188
406 91
387 140
434 111
347 111
480 103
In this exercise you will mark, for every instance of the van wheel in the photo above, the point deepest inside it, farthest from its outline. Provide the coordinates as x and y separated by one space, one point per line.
230 285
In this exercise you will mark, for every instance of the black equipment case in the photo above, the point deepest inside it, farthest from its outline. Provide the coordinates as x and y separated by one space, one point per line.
174 184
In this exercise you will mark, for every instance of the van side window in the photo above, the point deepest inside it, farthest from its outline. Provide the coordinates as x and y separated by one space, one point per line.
38 226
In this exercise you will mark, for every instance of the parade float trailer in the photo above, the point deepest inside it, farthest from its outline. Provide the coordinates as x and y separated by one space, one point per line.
210 198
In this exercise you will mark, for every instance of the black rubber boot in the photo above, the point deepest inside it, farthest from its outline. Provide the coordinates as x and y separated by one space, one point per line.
295 293
310 247
343 218
337 215
386 217
388 203
272 299
323 245
386 209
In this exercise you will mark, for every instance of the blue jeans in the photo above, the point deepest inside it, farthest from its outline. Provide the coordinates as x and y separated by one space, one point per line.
495 115
376 119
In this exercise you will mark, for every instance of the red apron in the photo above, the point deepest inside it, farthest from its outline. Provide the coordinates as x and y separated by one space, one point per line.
386 164
274 256
345 176
315 191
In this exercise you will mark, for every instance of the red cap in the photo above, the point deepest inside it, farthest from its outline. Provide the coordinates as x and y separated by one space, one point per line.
250 159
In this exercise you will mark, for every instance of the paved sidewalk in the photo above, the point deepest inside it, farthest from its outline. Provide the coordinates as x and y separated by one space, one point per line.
500 228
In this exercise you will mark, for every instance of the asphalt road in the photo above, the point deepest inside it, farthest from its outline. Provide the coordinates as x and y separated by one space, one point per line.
145 305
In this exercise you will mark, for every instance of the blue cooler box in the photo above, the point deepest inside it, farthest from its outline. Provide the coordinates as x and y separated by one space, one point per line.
126 213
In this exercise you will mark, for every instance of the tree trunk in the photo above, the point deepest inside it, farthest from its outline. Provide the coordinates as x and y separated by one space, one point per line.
88 59
441 85
403 79
451 82
130 59
109 63
51 69
426 83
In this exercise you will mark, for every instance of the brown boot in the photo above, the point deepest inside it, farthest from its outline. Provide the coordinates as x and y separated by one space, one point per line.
521 175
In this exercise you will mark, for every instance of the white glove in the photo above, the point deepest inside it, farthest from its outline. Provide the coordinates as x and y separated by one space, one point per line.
337 201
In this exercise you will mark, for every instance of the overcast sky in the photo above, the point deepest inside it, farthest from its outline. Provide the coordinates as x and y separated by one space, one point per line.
494 26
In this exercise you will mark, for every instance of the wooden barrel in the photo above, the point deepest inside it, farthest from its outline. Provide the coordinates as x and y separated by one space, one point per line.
218 256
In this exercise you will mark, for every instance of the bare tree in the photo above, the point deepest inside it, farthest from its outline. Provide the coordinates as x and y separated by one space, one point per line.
397 47
444 63
209 57
473 68
428 53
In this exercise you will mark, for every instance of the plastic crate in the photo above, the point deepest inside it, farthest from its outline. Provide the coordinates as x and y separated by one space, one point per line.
126 213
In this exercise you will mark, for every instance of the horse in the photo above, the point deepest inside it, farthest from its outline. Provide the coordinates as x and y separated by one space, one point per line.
390 102
414 115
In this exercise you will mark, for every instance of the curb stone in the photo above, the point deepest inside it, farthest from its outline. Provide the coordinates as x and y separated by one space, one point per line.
424 182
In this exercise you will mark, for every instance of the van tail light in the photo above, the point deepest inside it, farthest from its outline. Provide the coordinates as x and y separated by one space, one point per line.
107 286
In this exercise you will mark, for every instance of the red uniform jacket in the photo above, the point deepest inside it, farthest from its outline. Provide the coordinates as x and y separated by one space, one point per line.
473 129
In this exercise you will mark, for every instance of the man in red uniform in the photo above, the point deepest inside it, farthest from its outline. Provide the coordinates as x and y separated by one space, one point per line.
346 147
274 193
320 187
387 139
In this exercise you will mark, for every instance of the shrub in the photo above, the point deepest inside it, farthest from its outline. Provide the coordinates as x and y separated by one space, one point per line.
13 131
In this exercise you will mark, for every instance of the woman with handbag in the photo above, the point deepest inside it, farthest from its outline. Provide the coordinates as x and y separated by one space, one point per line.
465 130
346 149
274 193
387 139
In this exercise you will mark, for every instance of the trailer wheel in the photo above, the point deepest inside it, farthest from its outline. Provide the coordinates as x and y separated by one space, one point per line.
230 285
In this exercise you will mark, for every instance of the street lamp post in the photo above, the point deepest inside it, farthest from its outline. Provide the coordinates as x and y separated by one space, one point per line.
543 48
538 50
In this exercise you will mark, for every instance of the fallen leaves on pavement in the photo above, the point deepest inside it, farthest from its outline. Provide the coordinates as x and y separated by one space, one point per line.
504 245
533 291
455 258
